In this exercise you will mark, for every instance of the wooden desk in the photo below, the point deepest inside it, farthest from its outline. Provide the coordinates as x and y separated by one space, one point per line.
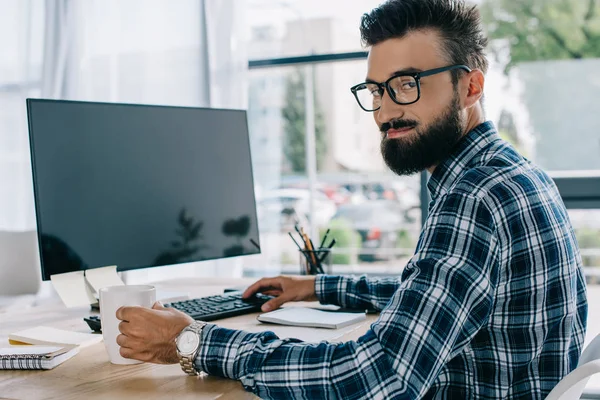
89 375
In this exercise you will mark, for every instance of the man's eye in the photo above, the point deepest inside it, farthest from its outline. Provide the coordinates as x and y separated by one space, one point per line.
408 85
373 90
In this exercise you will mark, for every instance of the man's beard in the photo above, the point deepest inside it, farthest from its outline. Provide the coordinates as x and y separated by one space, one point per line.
406 156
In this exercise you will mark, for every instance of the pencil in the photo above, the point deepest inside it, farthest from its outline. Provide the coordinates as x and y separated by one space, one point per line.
301 251
324 238
297 245
317 261
309 247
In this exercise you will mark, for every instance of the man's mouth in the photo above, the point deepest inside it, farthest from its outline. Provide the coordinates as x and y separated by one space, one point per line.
396 133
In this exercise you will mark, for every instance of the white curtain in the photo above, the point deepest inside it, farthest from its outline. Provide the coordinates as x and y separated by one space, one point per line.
21 24
228 62
21 44
184 52
61 59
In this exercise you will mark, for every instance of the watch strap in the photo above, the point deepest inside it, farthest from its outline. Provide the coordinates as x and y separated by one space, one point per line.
187 361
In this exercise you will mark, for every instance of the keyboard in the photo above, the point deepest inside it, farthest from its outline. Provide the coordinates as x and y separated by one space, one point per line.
220 306
208 308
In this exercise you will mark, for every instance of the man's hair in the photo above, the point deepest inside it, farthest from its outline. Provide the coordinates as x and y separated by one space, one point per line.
458 24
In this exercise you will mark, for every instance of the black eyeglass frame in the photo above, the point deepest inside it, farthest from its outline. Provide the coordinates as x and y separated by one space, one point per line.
385 86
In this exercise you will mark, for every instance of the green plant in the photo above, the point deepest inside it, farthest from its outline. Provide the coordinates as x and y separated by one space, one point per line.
405 240
544 29
294 117
346 239
589 238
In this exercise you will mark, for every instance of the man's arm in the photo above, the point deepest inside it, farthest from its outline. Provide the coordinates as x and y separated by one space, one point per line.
444 298
360 293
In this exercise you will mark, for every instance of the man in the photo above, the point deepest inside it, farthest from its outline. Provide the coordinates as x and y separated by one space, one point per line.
492 304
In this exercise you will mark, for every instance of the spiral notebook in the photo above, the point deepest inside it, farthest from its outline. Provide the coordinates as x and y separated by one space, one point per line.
35 357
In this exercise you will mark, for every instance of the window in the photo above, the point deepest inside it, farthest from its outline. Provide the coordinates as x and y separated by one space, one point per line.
350 173
301 27
549 55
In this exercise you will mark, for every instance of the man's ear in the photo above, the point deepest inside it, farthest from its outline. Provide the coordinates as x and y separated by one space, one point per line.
475 81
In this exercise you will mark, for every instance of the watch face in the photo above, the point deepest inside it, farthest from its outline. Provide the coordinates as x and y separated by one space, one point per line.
188 342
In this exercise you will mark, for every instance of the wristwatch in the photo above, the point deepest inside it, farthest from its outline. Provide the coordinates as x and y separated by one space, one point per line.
188 345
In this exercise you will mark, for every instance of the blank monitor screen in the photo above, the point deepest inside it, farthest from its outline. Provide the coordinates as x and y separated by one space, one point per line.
139 186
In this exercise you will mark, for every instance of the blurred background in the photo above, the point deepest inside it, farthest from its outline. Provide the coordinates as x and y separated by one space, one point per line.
315 153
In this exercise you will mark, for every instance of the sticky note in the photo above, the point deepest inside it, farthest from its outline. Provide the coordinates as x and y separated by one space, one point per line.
72 289
103 277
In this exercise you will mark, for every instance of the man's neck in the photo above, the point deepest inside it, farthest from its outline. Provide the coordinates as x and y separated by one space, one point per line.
474 119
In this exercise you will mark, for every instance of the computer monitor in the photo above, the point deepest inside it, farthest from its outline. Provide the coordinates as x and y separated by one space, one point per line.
139 185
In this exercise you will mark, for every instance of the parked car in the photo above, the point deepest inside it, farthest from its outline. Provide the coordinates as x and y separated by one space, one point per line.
336 193
380 224
292 204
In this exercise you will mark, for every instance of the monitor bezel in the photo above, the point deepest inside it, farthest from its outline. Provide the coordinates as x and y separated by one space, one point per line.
255 249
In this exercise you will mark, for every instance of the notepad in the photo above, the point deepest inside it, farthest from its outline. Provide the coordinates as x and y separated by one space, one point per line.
35 357
310 317
43 335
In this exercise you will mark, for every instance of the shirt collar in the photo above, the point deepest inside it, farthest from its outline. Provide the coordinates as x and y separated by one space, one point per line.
469 146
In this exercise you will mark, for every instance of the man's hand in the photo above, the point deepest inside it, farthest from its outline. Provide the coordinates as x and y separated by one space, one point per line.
148 334
285 288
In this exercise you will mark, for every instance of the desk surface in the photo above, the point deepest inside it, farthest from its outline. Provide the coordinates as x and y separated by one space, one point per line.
90 375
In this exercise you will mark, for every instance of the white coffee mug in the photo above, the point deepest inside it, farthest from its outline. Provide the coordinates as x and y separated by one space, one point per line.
111 299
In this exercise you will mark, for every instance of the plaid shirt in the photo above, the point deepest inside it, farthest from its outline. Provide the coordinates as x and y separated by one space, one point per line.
492 304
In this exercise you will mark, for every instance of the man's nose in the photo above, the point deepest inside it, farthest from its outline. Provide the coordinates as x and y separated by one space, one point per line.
388 111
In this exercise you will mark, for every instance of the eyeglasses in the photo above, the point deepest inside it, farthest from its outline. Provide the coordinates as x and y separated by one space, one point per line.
403 88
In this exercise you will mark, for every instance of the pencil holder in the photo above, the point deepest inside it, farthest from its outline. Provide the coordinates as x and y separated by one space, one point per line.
313 262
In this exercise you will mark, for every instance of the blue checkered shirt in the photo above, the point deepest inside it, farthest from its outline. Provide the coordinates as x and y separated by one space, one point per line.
492 304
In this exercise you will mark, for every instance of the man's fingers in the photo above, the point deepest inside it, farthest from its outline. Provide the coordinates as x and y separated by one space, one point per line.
258 286
121 311
136 355
132 348
123 341
126 313
275 303
124 327
126 352
265 283
273 292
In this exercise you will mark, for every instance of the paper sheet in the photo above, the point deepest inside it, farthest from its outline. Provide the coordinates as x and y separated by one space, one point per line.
310 317
44 335
72 289
103 277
